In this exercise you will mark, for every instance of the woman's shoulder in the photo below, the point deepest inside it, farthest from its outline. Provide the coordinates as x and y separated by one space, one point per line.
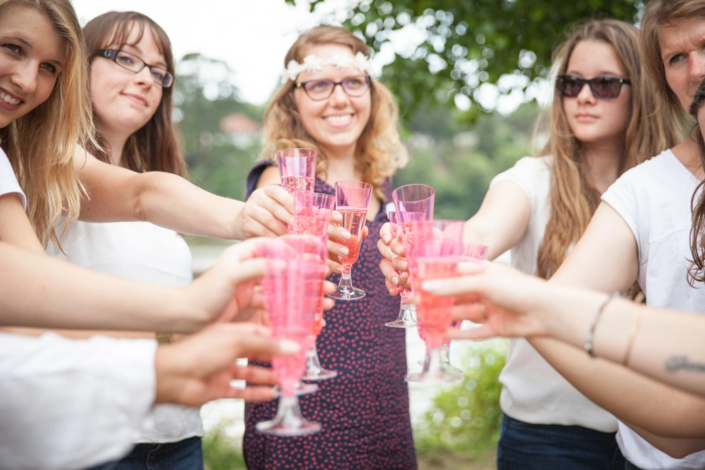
256 173
656 170
528 171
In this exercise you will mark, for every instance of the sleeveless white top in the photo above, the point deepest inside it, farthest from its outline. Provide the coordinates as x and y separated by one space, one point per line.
143 252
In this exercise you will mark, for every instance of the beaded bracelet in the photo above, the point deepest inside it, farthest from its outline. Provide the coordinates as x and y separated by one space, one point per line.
591 331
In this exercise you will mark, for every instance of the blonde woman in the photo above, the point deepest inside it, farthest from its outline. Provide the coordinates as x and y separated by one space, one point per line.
603 122
330 103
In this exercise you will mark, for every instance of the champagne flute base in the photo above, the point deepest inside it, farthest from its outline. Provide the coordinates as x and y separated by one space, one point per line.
301 389
314 369
288 421
405 319
348 294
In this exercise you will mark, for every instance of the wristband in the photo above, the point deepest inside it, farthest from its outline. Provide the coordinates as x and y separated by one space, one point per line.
591 332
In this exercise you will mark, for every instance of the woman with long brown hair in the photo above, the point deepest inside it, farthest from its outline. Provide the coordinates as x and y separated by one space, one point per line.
331 104
603 121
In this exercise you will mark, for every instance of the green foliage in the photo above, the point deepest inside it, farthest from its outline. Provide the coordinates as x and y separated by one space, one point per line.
204 95
219 452
467 417
471 42
461 174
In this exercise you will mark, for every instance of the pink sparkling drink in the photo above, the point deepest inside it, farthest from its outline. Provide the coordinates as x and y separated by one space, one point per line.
292 288
297 169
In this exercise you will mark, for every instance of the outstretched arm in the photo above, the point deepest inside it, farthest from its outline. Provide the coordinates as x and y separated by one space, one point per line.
117 194
499 224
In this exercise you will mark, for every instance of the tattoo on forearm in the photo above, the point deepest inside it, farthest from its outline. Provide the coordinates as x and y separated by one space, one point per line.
676 363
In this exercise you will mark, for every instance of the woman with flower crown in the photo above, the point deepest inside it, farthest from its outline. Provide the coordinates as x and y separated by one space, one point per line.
329 103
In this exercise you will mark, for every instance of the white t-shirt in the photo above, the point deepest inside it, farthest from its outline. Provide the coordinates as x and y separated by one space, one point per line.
654 200
143 252
68 404
8 181
533 391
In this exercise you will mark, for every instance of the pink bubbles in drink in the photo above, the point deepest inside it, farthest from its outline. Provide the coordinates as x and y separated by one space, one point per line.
297 169
292 289
437 249
352 200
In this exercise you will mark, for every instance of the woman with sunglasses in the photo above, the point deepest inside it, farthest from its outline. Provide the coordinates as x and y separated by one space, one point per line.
603 122
329 103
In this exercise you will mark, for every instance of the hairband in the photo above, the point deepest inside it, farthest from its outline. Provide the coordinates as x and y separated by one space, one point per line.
313 63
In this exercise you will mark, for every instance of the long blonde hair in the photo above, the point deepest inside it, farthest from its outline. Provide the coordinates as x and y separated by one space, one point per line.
379 151
573 199
41 144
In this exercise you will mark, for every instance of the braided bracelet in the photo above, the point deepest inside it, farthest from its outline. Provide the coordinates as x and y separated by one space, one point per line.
591 331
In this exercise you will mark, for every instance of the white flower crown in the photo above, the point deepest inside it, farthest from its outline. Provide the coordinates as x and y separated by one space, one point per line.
313 63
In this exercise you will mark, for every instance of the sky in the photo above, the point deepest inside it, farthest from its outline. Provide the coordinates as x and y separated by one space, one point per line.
253 36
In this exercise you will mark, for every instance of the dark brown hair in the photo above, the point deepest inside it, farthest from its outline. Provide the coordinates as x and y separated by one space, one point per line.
649 132
697 241
154 147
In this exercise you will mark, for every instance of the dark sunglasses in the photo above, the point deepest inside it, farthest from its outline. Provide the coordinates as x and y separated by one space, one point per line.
602 88
319 90
134 64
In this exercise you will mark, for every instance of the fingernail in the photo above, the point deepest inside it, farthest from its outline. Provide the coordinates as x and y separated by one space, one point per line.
430 285
344 234
387 240
398 249
395 280
342 251
402 265
391 292
289 347
339 269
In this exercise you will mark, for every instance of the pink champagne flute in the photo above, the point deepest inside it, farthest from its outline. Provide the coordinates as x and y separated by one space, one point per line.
437 248
297 169
414 198
472 253
292 286
352 200
406 317
312 214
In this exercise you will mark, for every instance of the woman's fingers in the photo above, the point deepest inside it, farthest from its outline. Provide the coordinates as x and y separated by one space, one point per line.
391 278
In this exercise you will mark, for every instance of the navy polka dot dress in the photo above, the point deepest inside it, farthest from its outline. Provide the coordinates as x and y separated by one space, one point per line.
365 409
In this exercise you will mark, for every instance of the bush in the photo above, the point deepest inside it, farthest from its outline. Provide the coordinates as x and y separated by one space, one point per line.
220 452
467 417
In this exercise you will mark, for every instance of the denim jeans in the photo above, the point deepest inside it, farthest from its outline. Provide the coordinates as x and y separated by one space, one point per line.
524 446
182 455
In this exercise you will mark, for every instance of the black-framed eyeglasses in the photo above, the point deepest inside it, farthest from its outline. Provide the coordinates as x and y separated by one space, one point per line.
319 90
131 62
602 88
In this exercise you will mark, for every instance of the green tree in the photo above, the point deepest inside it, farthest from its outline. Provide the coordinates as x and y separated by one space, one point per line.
471 42
204 95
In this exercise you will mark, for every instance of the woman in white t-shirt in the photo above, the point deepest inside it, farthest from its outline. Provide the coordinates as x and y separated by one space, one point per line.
540 208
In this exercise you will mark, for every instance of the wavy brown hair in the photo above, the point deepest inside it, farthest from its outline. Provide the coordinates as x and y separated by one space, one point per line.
379 151
154 147
573 199
697 203
41 144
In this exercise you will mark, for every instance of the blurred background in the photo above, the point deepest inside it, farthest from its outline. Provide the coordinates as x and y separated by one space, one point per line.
473 82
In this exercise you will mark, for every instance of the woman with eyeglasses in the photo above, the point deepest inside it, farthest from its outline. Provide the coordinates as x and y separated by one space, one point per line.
329 103
603 122
131 73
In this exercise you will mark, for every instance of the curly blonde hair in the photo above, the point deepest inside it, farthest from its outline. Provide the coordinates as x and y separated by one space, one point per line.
41 144
379 151
649 132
